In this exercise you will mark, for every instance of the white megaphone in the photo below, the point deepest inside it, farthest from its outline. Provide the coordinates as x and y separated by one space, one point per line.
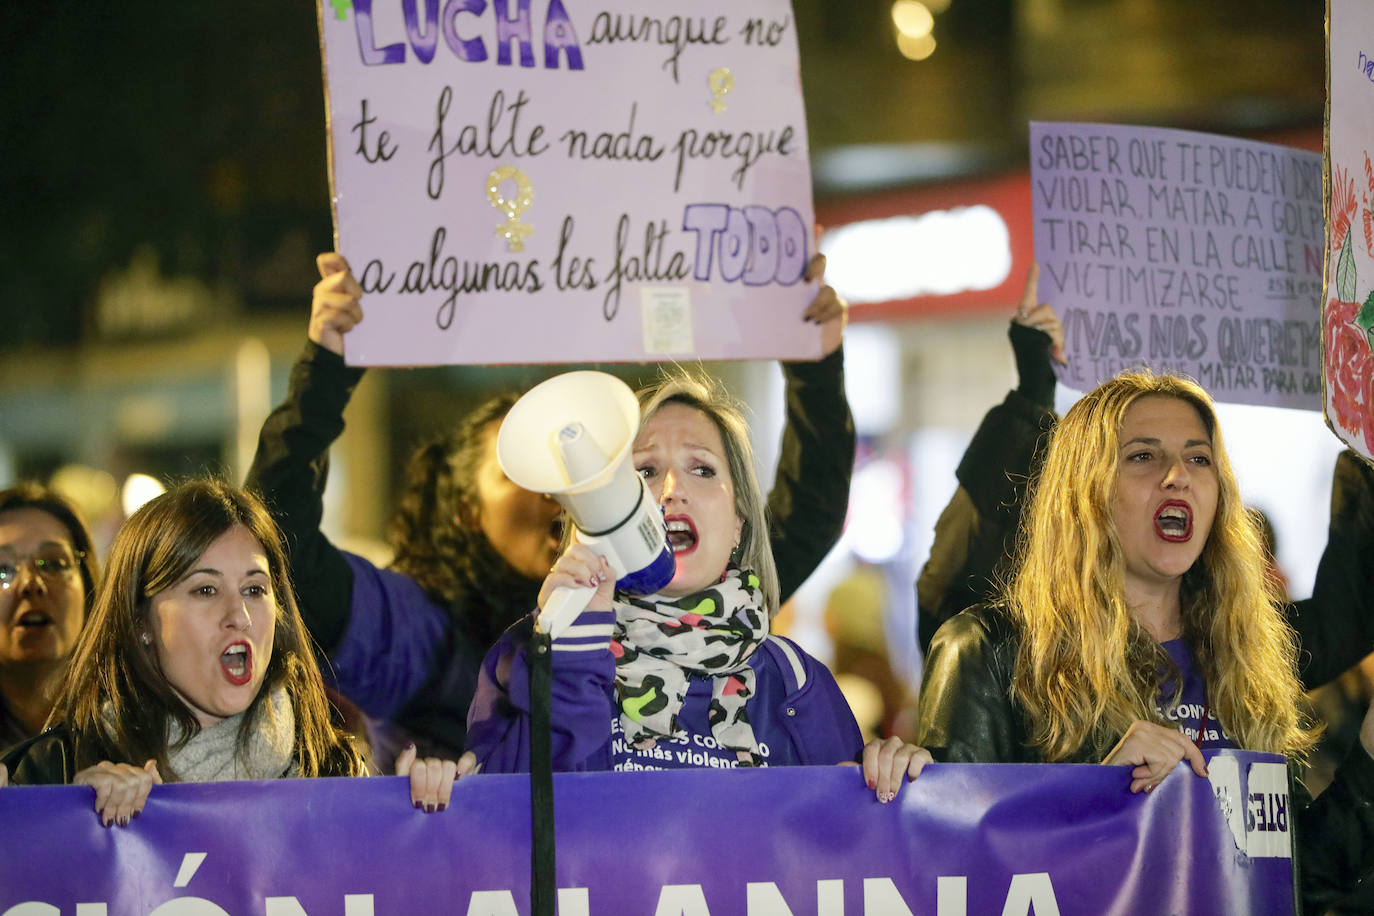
571 437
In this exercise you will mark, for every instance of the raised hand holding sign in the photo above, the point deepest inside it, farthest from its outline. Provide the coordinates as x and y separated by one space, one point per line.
648 176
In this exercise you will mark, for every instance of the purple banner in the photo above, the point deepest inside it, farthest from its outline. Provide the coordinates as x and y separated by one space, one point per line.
1010 839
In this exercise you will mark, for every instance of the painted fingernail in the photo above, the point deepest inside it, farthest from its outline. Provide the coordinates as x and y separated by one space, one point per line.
419 806
873 783
124 820
137 813
429 809
442 806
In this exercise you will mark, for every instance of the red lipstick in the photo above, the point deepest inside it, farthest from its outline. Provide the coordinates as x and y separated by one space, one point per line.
236 661
686 539
1174 521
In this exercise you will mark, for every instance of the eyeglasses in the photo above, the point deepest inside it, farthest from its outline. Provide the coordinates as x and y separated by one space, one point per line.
54 564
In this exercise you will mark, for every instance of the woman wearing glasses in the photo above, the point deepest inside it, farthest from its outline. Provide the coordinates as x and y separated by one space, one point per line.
47 583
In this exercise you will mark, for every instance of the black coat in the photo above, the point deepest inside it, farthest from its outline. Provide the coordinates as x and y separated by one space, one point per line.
49 759
968 715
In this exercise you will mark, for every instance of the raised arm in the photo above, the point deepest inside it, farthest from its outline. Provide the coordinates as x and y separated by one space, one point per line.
810 495
975 534
381 634
1336 625
291 465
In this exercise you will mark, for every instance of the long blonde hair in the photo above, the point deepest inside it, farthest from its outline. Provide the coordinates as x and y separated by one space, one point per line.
1085 668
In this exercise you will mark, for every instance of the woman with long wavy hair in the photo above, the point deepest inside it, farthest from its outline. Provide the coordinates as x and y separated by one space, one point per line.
1137 628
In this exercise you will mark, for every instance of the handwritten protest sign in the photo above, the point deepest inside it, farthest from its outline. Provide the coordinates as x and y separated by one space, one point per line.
1348 360
1182 251
963 838
561 181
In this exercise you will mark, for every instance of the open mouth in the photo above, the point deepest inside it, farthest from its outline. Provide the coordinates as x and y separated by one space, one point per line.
237 663
1174 521
682 534
34 620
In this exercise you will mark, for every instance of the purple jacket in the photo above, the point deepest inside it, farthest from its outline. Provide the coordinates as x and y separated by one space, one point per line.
798 714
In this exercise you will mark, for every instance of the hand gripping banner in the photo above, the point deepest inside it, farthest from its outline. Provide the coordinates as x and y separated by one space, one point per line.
962 839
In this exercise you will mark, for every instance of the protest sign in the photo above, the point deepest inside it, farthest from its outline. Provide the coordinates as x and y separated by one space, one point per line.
1348 318
555 181
1182 251
1010 839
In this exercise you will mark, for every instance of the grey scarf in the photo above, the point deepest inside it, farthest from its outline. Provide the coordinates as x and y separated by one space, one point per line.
213 754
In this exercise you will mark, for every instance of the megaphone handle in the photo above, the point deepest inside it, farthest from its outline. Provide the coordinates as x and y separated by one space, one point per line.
562 609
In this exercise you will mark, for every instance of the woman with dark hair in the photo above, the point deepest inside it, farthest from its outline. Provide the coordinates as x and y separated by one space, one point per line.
47 584
1138 628
693 671
195 666
471 548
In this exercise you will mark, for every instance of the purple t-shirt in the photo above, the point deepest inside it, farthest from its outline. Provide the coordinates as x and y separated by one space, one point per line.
1192 704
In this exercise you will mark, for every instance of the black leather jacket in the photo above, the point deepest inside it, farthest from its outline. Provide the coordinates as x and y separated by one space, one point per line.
968 716
49 759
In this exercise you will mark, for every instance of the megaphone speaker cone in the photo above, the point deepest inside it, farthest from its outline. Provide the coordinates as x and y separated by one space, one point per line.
597 409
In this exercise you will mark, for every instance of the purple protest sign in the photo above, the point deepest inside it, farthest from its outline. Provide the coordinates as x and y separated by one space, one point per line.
550 181
1182 251
1011 839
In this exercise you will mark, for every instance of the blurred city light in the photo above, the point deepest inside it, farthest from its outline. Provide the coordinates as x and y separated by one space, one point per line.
138 489
916 48
912 18
936 253
873 377
876 511
92 489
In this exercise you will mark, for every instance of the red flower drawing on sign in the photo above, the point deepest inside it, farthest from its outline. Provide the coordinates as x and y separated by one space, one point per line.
1350 370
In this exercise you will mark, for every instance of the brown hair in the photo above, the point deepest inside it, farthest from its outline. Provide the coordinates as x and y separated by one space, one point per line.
436 542
115 699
